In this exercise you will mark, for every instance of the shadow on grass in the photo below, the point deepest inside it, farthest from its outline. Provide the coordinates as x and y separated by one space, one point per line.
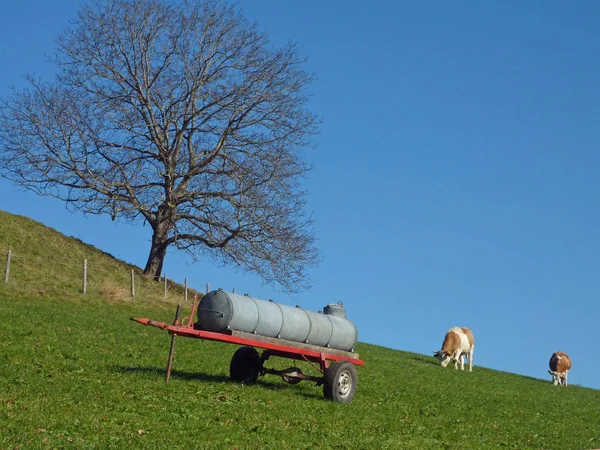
155 371
425 359
204 377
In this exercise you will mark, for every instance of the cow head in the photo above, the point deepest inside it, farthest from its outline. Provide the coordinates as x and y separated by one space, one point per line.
444 357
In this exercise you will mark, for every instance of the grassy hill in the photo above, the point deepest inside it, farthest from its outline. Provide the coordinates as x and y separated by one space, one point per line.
48 264
75 372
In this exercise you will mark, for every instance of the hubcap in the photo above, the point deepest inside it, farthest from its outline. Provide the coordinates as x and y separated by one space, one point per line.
344 384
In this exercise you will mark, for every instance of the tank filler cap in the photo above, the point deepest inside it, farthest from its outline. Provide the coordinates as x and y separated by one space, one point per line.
336 309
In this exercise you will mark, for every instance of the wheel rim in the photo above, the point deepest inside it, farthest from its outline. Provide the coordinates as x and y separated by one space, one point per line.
344 384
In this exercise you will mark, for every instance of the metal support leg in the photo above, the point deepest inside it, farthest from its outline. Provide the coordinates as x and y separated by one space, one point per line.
172 350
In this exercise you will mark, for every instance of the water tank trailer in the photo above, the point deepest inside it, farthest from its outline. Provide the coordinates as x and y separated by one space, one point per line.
221 311
325 339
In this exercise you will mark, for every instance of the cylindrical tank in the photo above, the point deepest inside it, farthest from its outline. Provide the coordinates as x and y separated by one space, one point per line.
219 311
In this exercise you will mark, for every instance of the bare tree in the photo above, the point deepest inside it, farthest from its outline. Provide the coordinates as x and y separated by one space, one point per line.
178 114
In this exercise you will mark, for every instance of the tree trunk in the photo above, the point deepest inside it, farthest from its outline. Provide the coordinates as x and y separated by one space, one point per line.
158 251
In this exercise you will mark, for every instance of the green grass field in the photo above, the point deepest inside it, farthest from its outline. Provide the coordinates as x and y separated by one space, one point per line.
75 372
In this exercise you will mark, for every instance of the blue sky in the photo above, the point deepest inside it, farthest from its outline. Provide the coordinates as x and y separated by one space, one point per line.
456 176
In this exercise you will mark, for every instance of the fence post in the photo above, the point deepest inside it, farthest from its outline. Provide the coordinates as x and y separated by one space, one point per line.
84 276
186 289
165 284
7 267
132 284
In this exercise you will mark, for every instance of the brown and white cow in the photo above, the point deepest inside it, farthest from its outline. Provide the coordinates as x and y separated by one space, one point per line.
560 364
457 343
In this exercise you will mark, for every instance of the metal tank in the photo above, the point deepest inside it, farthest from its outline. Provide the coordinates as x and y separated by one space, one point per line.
219 311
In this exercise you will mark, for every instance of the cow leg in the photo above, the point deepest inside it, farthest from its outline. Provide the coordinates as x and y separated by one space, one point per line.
462 362
457 358
565 379
470 359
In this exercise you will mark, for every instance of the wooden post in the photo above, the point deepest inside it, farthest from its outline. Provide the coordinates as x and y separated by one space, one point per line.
132 284
165 284
84 276
186 289
172 350
207 287
7 267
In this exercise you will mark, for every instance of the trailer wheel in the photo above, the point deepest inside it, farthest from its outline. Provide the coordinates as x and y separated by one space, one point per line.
340 382
245 365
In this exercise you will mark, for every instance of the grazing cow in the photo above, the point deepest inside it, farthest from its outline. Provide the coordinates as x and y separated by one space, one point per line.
457 343
560 364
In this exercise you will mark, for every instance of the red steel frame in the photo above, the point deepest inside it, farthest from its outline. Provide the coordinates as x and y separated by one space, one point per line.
186 329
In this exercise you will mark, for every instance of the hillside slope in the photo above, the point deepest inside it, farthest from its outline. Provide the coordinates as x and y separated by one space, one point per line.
48 264
77 373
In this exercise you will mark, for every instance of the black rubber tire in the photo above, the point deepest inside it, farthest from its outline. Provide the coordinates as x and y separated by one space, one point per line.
245 365
340 382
